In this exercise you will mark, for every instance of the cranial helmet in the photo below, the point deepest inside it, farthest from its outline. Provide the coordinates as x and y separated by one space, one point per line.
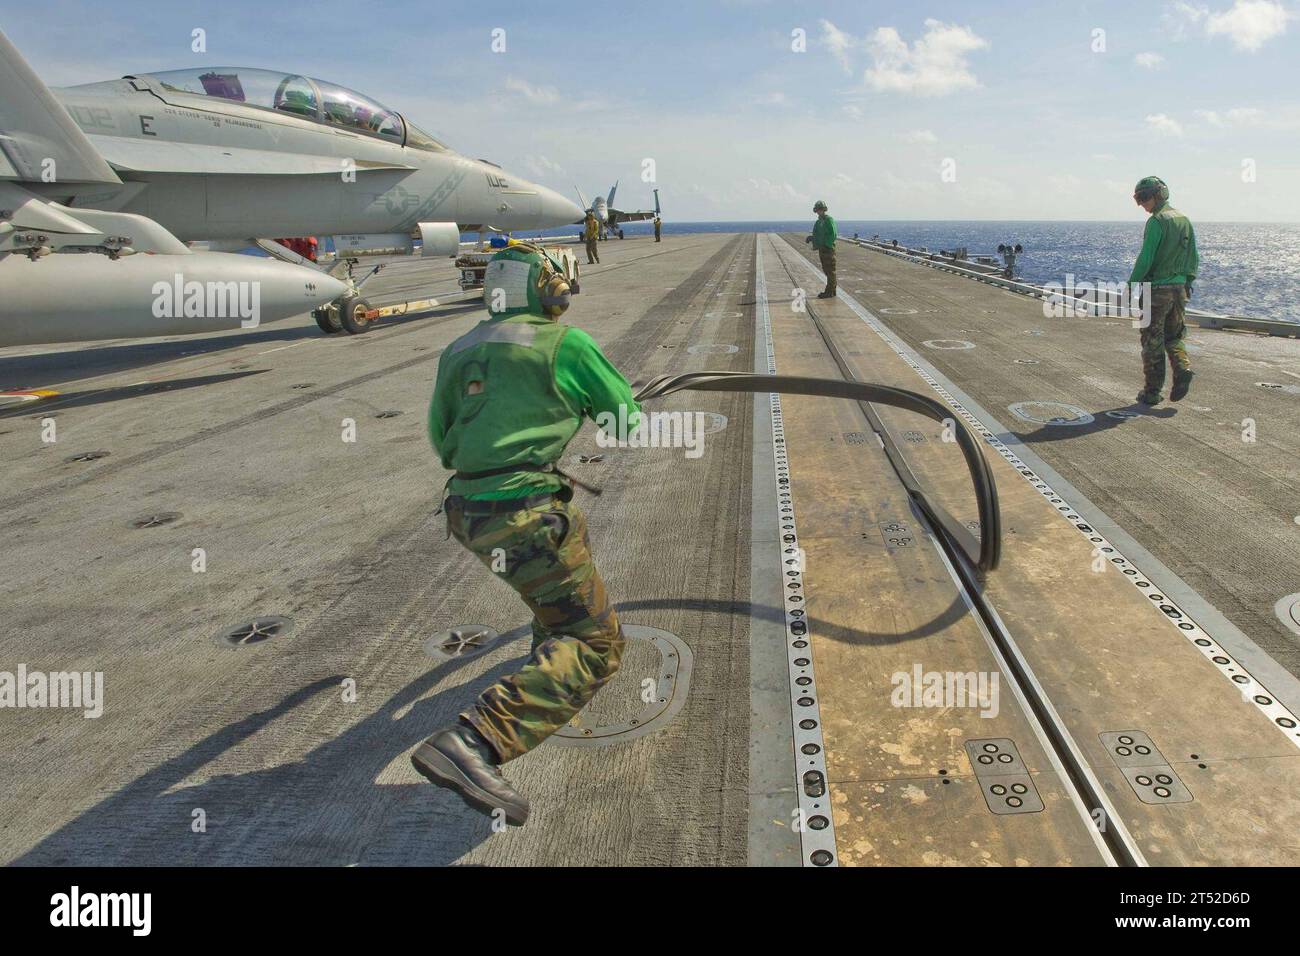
523 278
1151 187
819 206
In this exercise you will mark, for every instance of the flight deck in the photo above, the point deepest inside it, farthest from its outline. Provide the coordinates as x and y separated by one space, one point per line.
239 532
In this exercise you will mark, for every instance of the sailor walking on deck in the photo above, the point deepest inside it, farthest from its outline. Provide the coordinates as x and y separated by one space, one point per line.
1169 262
510 395
823 240
590 234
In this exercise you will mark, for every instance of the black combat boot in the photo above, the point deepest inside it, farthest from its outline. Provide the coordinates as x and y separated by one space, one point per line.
1182 382
1149 398
459 759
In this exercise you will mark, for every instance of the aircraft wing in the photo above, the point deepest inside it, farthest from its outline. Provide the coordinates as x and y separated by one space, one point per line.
145 156
618 215
37 136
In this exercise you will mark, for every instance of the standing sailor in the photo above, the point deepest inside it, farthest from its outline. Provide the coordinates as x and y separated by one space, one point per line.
510 395
590 233
659 228
1169 262
823 240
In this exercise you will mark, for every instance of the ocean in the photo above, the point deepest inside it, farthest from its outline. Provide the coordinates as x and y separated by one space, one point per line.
1250 269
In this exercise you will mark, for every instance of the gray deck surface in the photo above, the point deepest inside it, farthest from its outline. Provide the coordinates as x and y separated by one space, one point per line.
342 538
241 434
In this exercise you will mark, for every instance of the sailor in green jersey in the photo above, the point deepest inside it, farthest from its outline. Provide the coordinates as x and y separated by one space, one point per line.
1169 262
823 240
510 395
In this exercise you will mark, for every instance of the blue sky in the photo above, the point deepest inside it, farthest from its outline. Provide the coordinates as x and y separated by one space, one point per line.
889 111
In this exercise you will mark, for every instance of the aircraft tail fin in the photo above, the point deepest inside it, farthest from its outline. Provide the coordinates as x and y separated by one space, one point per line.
582 199
612 189
39 142
657 209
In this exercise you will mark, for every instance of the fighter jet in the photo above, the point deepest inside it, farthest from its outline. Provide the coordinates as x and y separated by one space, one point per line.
134 168
609 217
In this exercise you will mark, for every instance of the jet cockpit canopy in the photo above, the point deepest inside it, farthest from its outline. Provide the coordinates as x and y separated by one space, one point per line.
298 95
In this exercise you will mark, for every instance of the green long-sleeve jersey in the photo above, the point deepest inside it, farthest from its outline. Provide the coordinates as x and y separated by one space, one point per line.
1168 255
518 410
824 234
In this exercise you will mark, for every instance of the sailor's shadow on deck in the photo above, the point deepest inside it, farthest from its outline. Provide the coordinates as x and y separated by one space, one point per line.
1102 421
295 813
303 812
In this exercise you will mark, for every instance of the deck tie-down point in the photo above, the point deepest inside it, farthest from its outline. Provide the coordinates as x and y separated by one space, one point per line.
1144 767
1003 776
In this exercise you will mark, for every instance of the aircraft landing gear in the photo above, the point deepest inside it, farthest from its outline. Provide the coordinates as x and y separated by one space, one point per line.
327 318
352 314
348 315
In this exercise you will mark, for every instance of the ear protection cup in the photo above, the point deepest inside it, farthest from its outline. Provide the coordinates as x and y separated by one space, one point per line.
553 293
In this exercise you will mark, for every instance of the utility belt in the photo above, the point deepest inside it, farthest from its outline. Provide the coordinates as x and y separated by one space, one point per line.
550 468
504 505
496 506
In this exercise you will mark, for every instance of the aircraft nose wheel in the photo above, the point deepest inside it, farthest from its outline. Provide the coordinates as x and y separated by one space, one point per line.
352 314
327 317
348 315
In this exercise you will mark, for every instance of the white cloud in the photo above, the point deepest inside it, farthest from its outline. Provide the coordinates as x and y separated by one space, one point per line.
934 65
1239 116
772 99
538 95
1250 23
542 166
919 136
541 95
1149 61
1183 18
772 191
853 110
1165 124
838 42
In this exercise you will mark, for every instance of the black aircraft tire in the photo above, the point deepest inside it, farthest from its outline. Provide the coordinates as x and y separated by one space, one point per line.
323 319
348 308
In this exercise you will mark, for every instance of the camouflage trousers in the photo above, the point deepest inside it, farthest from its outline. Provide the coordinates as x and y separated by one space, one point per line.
1165 336
543 553
828 267
593 254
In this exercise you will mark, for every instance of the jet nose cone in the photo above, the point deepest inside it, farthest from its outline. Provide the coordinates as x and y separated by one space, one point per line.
286 289
320 288
556 210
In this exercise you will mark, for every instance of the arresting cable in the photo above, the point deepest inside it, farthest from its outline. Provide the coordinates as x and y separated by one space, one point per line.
985 553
